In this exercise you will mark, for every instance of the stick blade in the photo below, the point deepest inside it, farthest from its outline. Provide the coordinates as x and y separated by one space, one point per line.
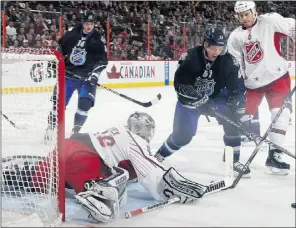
228 153
150 103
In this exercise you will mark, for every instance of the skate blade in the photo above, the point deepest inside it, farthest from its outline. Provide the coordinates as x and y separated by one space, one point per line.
276 171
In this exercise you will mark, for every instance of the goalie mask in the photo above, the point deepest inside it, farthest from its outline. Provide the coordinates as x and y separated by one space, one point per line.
141 124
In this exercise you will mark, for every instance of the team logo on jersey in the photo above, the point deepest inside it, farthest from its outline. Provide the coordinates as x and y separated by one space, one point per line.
78 56
253 52
205 86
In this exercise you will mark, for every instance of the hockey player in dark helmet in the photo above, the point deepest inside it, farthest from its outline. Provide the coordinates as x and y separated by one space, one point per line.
85 54
214 43
88 22
207 76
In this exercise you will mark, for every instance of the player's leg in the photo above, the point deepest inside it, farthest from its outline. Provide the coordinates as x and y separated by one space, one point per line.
86 100
254 98
275 95
184 128
254 127
232 134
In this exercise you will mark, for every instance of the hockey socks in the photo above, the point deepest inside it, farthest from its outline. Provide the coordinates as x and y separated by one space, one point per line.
79 120
167 149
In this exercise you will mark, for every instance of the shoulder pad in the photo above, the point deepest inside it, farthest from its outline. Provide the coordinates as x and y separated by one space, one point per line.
231 59
269 17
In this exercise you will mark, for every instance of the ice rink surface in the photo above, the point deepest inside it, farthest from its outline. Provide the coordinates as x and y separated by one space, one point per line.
263 200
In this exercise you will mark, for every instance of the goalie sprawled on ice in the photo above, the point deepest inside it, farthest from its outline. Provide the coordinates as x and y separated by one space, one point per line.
99 165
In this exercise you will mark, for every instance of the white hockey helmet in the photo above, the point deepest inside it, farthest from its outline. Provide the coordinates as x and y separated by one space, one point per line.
141 124
243 6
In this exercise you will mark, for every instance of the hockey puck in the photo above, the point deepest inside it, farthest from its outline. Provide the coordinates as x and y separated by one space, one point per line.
293 205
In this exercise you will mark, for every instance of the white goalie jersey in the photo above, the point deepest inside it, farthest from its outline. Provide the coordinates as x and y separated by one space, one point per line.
118 145
256 50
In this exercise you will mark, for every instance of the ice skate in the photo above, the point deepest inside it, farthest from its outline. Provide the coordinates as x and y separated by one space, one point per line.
238 167
274 163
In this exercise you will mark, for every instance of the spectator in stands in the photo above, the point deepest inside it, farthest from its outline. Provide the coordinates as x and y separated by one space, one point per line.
129 23
132 55
25 43
10 30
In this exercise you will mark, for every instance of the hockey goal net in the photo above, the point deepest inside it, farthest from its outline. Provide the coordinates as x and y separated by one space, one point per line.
28 80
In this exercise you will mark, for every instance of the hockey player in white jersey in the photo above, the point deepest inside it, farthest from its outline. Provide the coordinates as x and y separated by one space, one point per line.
98 166
265 71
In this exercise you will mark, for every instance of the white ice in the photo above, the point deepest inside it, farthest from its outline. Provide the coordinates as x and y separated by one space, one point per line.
263 200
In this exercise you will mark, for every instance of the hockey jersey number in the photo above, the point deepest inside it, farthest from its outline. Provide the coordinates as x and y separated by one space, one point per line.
106 138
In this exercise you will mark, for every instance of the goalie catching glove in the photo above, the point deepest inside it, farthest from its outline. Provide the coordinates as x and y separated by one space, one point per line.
174 185
103 198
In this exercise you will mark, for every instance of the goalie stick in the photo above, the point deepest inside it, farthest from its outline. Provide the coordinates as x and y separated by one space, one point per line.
213 187
20 127
143 104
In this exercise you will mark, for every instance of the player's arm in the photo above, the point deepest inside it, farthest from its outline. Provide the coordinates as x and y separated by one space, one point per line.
62 44
102 61
281 24
235 49
236 89
160 182
184 81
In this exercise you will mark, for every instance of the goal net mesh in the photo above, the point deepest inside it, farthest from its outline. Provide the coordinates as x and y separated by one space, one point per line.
29 192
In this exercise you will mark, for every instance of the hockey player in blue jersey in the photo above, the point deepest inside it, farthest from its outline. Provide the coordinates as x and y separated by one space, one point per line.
207 75
85 55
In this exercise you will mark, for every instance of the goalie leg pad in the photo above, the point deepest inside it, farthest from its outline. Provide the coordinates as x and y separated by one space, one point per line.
101 202
103 198
175 185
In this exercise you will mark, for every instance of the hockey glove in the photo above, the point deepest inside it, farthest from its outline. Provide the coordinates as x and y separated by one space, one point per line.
174 185
208 108
96 72
93 79
236 102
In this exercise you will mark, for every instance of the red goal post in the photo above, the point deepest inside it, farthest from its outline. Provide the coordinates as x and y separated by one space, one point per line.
28 78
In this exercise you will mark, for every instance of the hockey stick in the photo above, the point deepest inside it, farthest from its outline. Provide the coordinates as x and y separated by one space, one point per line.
253 137
20 127
143 104
286 101
213 187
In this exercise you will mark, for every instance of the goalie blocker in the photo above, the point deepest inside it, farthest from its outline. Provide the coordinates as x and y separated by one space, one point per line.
99 165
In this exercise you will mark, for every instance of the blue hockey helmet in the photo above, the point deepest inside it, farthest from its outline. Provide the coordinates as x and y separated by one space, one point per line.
215 36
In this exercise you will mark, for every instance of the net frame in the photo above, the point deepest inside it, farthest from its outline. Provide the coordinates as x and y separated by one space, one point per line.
30 54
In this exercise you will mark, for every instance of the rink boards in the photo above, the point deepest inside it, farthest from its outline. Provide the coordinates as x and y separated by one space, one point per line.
41 77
